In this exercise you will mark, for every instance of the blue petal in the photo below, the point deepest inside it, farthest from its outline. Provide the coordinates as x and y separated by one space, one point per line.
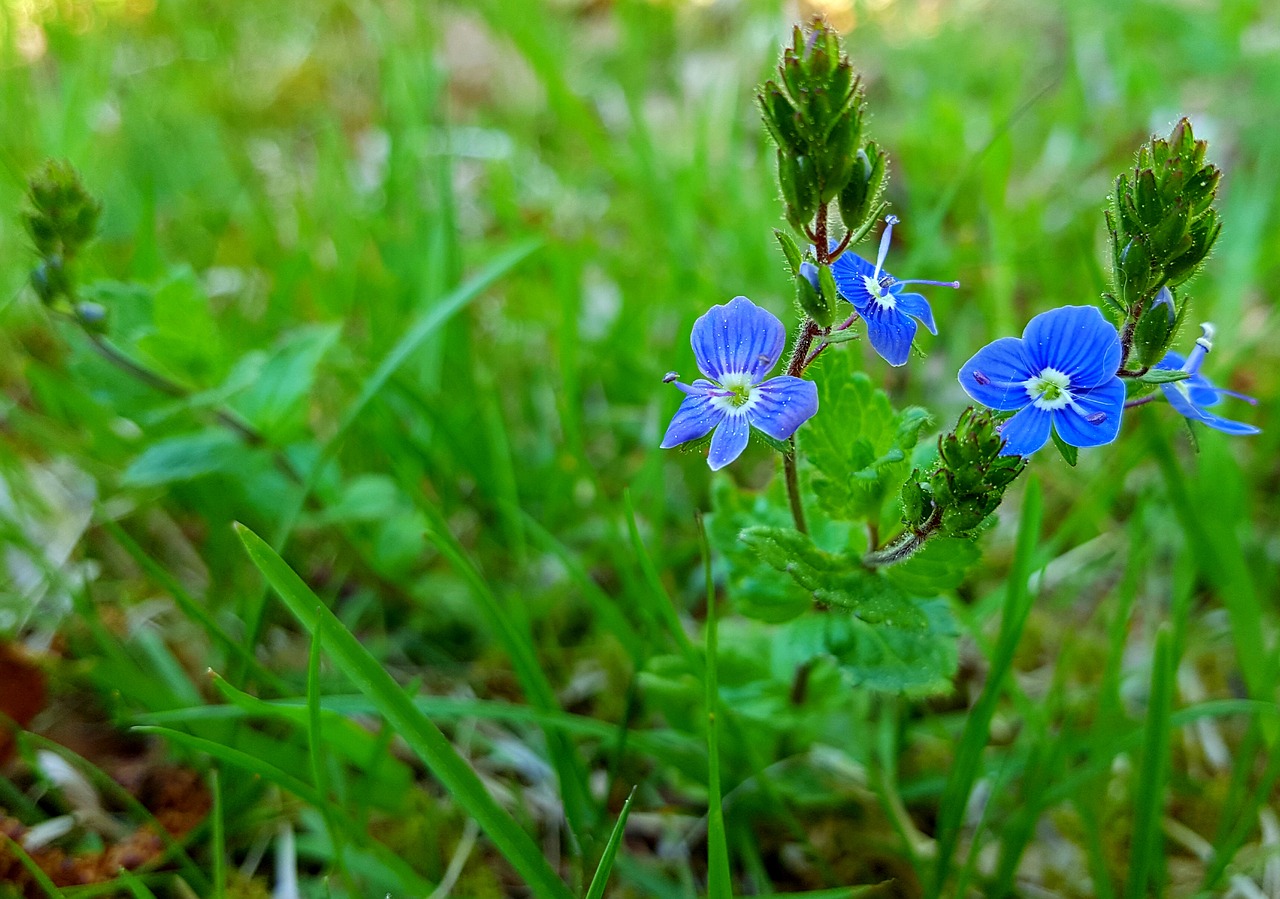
1179 401
729 441
1172 361
695 418
849 271
1077 341
890 333
1202 391
738 337
995 374
783 404
1026 432
1094 418
917 306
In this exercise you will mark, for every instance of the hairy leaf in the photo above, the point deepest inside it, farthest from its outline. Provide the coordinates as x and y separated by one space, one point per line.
859 445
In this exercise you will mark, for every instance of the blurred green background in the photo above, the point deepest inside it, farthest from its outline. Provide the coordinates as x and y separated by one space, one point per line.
449 250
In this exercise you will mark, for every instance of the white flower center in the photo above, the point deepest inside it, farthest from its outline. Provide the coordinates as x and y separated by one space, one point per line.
1049 390
737 396
879 292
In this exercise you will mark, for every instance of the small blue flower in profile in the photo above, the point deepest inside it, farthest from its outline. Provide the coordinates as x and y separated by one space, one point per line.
889 313
735 346
1191 395
1060 374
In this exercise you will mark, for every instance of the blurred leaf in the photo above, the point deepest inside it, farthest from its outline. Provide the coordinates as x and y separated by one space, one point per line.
859 445
184 338
274 403
187 457
416 729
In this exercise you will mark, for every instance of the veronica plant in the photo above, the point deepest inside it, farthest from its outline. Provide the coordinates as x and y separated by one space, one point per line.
873 526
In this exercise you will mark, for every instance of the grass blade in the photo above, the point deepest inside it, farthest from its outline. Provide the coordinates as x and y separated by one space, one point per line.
418 731
42 880
1148 798
977 727
596 890
719 883
219 829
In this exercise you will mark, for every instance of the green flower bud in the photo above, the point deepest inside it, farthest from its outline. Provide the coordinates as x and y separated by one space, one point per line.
1155 329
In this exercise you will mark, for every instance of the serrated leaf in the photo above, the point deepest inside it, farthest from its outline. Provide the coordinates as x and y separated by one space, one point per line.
859 445
938 568
757 589
886 656
830 578
1164 376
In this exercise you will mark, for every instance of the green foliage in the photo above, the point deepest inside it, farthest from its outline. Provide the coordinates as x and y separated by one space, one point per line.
758 588
278 173
938 568
916 656
832 580
859 446
880 637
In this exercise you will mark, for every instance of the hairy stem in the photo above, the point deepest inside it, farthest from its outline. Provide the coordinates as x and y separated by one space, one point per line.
907 545
792 476
820 236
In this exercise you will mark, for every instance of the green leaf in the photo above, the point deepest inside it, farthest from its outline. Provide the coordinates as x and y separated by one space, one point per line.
1164 376
418 731
1068 452
790 250
186 458
859 445
275 401
831 579
938 568
887 657
758 591
184 338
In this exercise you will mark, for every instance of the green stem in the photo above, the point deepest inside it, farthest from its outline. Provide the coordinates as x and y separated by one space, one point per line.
792 476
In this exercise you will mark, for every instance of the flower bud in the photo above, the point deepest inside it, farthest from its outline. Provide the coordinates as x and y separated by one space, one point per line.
93 316
816 293
1155 329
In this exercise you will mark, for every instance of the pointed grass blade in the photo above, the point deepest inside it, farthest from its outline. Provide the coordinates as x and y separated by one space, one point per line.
596 890
417 730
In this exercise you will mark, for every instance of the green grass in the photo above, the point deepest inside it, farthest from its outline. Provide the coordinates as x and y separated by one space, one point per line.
440 255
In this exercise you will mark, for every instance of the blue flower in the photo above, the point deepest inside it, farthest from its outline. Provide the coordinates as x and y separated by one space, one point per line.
735 346
1060 374
1192 395
889 313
